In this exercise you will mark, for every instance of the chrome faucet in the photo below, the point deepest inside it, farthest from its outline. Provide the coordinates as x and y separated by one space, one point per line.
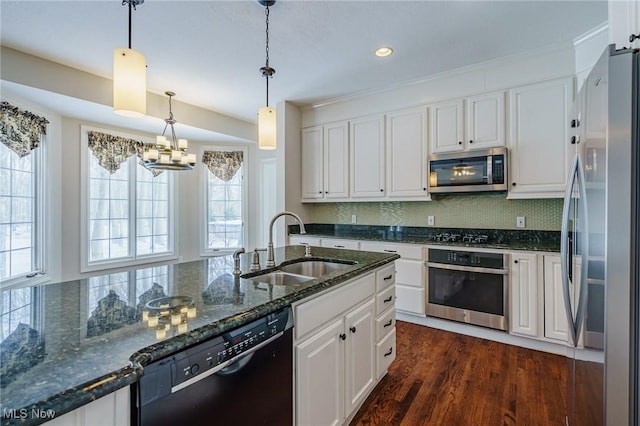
236 262
270 257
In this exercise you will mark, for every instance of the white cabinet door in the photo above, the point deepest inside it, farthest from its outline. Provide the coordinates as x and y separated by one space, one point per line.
539 142
360 355
446 126
320 377
312 163
485 121
336 160
555 316
367 157
113 409
524 294
407 154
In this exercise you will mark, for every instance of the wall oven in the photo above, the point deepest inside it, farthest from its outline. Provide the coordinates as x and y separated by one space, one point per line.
469 171
468 286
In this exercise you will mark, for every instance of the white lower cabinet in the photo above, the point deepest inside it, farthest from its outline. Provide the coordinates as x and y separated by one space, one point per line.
410 283
110 410
524 294
555 316
339 335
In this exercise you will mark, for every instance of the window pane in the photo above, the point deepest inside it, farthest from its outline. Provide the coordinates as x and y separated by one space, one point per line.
17 213
108 211
224 212
99 287
153 213
15 309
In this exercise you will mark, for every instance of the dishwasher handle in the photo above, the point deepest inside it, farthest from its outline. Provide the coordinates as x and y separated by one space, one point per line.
229 367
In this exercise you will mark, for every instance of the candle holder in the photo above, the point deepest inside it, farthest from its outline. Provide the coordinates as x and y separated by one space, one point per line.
170 312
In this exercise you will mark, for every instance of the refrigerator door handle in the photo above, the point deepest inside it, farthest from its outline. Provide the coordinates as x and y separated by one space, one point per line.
581 239
584 245
564 249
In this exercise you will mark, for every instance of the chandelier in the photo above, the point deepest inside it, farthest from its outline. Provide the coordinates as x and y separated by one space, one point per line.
129 77
168 153
166 312
266 114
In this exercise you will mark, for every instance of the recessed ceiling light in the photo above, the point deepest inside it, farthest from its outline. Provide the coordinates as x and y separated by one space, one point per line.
381 52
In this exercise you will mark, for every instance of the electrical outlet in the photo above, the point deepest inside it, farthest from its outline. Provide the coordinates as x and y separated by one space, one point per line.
520 222
353 218
431 220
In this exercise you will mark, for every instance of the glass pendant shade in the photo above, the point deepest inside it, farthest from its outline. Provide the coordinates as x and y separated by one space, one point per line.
267 128
129 83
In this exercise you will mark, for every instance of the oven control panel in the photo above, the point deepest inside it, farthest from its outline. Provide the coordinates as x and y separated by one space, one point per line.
467 258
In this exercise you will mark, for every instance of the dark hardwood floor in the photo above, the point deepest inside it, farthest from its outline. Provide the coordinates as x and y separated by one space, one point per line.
443 378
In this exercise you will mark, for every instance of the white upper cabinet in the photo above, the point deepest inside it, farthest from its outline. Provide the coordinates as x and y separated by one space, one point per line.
447 126
407 154
539 142
325 161
485 121
312 167
484 126
367 157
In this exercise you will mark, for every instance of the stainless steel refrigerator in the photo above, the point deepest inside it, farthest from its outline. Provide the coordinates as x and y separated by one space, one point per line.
599 246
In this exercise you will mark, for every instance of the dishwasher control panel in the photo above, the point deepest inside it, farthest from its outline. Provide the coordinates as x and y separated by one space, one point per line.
230 346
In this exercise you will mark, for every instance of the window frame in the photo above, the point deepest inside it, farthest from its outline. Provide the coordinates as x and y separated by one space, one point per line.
41 222
132 258
204 228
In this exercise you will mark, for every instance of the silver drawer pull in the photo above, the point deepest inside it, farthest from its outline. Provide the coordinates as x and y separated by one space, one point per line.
388 324
388 299
389 352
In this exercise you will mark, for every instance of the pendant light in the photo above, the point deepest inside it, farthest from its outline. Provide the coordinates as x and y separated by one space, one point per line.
129 76
266 114
168 154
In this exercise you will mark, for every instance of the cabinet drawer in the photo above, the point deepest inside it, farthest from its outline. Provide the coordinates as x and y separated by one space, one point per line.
410 299
304 241
406 251
385 324
312 314
410 272
385 277
341 244
385 299
385 354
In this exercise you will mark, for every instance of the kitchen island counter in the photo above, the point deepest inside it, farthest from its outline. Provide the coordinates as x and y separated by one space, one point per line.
84 339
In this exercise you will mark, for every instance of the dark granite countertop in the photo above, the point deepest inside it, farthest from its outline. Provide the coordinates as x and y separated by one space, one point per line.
76 341
502 239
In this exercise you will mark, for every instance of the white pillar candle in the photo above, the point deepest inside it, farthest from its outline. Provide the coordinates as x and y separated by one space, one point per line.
191 158
153 321
182 143
175 155
160 141
161 333
153 154
165 159
176 318
145 315
182 327
191 312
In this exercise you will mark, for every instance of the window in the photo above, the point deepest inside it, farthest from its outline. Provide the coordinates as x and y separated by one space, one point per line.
225 205
21 195
129 207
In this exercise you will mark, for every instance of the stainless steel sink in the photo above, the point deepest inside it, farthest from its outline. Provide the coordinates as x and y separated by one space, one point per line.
281 278
313 268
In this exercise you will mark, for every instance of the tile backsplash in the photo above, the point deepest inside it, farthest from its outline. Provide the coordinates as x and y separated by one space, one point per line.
482 211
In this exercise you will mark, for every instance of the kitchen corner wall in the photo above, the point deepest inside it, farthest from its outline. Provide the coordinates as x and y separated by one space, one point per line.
481 211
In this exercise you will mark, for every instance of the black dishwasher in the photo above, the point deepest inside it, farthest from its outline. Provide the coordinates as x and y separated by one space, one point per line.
243 377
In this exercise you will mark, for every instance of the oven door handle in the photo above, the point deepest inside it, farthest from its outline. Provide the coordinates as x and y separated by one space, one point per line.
466 268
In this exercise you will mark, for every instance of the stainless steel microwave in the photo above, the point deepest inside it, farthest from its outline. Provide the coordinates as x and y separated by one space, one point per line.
470 171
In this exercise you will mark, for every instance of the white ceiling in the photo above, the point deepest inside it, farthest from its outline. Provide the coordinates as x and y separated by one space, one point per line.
209 52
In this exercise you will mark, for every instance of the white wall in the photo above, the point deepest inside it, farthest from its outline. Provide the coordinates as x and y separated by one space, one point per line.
510 71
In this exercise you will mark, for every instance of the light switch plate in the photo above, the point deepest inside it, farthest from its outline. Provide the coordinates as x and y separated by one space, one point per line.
431 220
353 218
520 222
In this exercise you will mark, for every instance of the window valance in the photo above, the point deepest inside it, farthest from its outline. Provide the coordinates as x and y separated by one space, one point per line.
111 151
20 130
223 164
